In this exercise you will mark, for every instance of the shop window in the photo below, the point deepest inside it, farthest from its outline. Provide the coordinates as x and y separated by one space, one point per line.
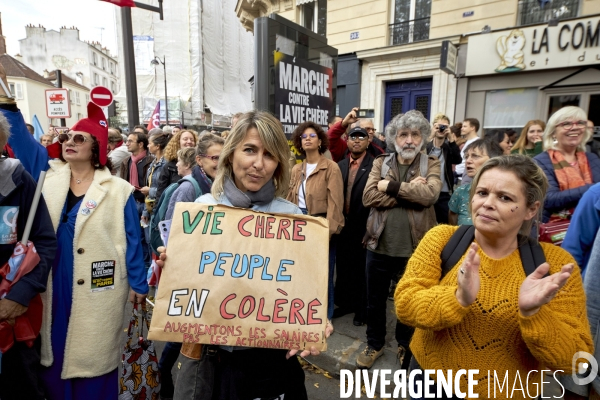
411 21
509 108
313 15
558 102
538 12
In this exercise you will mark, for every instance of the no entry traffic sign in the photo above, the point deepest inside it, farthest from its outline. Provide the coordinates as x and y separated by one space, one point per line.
101 96
57 103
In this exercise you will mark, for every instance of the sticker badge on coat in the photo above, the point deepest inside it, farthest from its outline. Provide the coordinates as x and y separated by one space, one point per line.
8 224
103 275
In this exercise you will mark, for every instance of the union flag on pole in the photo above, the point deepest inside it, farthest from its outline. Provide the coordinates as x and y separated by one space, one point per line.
121 3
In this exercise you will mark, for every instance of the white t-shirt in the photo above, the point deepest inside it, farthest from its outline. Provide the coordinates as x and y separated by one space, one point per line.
302 189
460 168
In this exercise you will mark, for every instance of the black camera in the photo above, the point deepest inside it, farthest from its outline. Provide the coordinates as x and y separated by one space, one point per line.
442 128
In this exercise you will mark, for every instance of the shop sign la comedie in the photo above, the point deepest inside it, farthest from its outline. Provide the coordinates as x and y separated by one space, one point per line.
571 43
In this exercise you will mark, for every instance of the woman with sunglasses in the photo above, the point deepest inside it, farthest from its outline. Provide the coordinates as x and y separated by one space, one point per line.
82 321
316 186
570 170
180 140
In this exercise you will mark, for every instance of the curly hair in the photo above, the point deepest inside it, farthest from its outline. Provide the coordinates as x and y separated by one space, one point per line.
412 119
321 135
174 146
4 131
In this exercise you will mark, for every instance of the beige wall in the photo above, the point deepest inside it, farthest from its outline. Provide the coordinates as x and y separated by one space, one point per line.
447 16
33 102
369 18
590 7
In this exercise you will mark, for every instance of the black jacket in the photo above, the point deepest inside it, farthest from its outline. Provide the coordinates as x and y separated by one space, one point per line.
452 156
358 212
167 176
17 188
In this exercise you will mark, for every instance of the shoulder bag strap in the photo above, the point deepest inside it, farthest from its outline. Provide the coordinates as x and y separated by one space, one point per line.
456 247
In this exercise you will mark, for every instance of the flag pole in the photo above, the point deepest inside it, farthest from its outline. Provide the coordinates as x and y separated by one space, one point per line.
33 209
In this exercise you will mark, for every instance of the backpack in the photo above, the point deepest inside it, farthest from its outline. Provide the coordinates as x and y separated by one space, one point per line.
161 207
532 255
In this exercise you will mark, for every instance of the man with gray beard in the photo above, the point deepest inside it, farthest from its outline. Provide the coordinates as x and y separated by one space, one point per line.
402 189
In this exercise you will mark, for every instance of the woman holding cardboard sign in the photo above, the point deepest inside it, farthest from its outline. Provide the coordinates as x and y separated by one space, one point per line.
253 173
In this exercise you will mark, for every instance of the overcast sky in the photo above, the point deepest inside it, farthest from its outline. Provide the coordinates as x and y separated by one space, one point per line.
87 15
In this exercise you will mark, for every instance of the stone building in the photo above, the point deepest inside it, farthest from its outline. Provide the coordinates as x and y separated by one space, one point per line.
390 50
89 64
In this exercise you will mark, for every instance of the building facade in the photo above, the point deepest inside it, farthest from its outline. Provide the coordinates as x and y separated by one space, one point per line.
390 50
29 89
89 64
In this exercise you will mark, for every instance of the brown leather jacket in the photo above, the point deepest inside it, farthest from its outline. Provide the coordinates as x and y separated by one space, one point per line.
417 198
324 192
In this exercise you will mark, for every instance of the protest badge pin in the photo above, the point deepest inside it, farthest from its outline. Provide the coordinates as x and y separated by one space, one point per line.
86 211
91 204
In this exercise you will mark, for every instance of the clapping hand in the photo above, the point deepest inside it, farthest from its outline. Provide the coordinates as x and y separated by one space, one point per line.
538 290
468 277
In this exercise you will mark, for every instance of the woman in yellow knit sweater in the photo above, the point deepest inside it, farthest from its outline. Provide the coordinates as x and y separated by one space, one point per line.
485 314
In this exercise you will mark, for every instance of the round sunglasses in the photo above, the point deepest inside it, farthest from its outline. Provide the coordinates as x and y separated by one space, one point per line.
77 138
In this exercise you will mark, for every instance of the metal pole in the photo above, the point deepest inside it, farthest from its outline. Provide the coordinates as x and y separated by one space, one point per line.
133 111
63 122
166 98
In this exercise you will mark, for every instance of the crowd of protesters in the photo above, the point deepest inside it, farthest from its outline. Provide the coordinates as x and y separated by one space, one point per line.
394 202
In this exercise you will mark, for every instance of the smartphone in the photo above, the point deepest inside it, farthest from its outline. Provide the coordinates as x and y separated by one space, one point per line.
365 113
164 227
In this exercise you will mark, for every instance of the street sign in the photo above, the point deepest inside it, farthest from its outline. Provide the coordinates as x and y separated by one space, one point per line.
448 57
57 103
101 96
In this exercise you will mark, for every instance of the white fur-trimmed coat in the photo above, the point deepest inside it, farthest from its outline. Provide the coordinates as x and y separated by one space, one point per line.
93 345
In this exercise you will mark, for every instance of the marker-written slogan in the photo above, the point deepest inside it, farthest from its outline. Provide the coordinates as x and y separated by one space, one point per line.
242 278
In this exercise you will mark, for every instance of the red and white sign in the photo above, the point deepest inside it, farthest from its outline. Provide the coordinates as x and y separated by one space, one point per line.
101 96
57 103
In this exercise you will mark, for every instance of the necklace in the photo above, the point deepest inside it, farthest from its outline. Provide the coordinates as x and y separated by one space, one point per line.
78 181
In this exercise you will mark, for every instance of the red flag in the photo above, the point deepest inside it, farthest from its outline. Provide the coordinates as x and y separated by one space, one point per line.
155 118
121 3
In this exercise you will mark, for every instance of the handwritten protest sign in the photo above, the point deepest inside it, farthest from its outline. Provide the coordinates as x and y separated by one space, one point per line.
242 278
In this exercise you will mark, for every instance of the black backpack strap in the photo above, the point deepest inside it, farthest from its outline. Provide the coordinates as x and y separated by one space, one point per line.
456 247
532 254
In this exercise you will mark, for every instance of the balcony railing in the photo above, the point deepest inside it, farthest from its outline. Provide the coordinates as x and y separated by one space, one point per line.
532 11
409 31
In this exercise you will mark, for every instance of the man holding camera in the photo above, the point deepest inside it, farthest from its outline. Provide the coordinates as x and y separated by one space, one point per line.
443 146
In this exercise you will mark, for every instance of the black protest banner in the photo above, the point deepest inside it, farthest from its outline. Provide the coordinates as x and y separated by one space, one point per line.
303 92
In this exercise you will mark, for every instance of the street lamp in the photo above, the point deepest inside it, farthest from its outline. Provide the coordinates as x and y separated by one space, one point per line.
155 62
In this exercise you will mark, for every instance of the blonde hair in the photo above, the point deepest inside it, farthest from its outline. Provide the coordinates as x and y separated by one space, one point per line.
440 116
187 156
522 141
560 116
174 146
273 139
